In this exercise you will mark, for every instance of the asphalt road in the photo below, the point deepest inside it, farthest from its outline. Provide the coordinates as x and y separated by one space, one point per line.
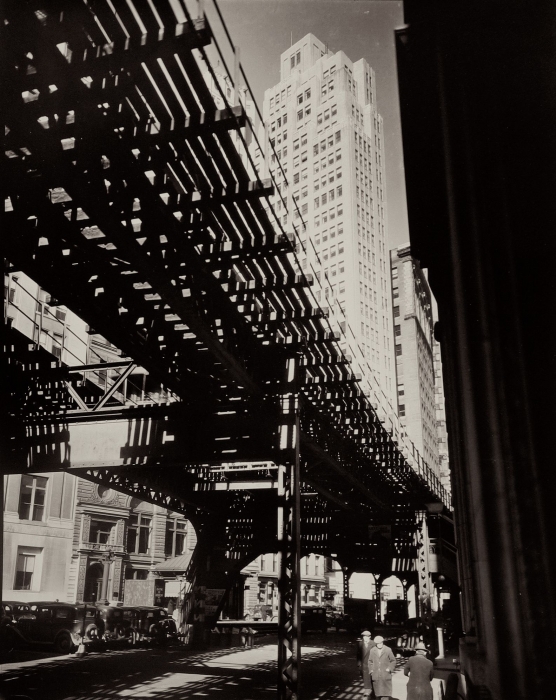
328 671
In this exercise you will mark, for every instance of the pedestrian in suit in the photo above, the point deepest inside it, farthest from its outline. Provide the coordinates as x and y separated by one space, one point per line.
420 671
382 664
364 646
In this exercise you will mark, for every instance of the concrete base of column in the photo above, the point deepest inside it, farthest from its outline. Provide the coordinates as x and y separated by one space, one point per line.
440 633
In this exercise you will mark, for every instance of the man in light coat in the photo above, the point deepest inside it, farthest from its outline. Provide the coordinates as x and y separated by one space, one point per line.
382 664
420 671
364 646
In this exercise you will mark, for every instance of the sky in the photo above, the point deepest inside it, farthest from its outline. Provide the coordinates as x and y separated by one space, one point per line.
263 29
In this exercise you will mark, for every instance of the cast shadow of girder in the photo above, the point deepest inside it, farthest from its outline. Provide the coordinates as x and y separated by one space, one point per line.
173 674
162 436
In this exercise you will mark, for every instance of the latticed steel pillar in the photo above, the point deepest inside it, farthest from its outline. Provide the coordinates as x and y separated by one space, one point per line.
346 573
288 536
423 574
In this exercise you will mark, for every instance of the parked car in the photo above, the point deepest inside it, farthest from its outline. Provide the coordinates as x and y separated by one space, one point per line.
150 624
170 627
63 625
117 623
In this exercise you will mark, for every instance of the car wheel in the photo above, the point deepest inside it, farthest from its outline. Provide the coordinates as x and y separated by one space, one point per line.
63 643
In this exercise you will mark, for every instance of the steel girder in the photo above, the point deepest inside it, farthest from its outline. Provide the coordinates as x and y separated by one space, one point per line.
135 209
128 201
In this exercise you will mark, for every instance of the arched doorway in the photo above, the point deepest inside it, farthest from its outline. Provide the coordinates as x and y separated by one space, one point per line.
93 583
393 601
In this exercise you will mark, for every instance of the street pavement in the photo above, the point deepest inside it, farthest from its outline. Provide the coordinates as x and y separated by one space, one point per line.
328 671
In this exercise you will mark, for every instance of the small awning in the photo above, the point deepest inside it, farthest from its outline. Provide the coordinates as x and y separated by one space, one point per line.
177 565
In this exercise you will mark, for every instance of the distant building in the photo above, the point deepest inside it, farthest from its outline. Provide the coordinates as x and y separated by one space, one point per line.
64 536
260 583
325 149
59 530
413 337
440 409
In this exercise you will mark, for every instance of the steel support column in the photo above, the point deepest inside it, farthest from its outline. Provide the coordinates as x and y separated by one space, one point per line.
423 575
346 576
289 539
378 600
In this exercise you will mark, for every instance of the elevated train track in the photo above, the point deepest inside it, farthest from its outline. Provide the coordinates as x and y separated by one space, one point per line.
129 201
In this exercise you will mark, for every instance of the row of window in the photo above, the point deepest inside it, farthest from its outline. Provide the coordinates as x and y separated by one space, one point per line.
364 197
332 234
371 296
281 97
363 180
303 113
368 237
327 114
330 214
328 196
274 126
332 252
306 95
139 533
32 498
268 563
326 143
331 177
29 564
364 290
365 273
365 216
302 212
327 88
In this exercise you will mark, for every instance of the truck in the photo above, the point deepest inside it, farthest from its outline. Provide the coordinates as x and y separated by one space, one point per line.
396 612
362 612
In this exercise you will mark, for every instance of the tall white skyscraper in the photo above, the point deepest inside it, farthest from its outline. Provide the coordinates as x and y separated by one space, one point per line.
322 122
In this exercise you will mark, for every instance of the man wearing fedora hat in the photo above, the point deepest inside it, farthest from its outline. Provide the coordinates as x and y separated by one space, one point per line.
364 646
420 672
382 664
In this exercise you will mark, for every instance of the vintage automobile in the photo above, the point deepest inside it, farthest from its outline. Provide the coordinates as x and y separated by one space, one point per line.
120 624
170 627
117 624
151 625
63 625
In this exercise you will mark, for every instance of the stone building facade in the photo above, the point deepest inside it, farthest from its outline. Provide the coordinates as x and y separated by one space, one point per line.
64 537
260 583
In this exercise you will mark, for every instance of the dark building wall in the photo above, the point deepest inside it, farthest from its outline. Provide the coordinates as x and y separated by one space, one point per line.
479 107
